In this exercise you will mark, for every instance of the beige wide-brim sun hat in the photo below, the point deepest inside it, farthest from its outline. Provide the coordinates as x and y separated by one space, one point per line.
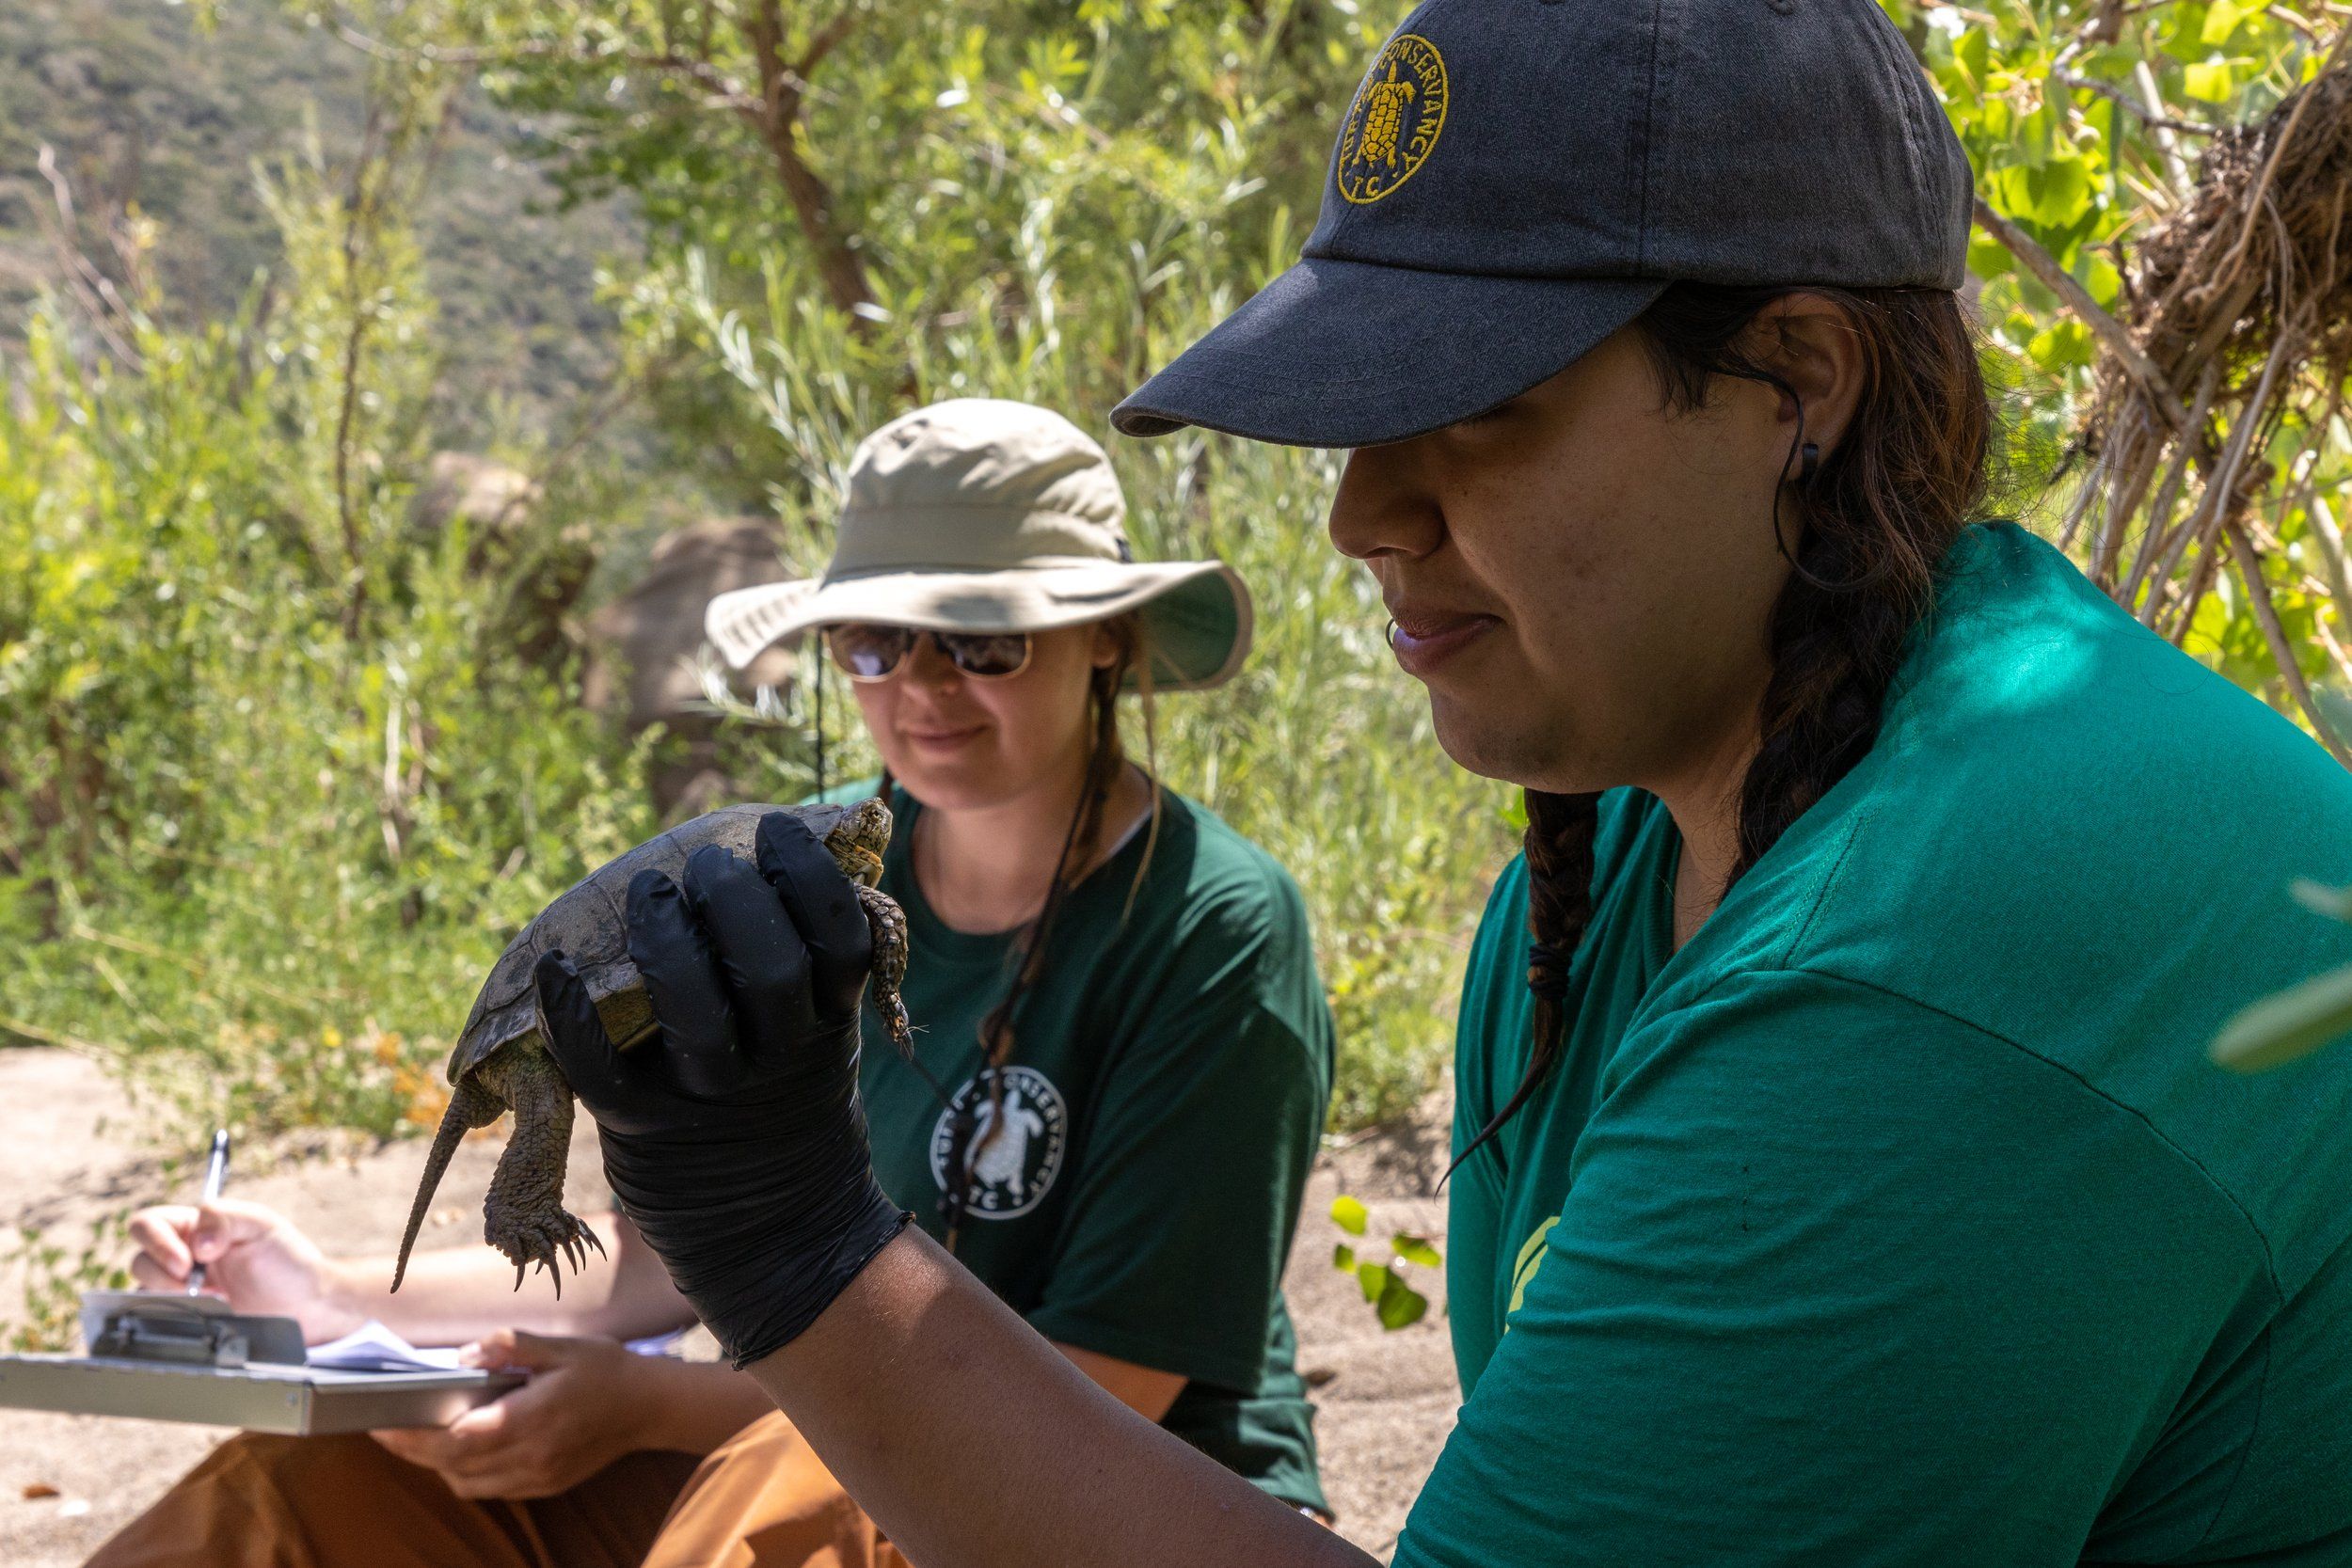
979 514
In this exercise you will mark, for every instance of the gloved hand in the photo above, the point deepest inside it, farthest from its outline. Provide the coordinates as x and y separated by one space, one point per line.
736 1141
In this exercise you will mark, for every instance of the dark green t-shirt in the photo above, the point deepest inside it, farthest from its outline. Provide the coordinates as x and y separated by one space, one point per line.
1899 1217
1171 1071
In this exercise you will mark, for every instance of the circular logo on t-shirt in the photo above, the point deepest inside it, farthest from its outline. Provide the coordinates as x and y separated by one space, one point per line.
1014 1153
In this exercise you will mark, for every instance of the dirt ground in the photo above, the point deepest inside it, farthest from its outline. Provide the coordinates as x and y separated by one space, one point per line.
70 1155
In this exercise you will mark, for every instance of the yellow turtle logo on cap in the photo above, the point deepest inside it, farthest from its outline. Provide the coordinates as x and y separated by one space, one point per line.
1394 121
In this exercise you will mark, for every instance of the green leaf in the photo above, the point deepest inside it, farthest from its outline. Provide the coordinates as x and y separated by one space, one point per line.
2295 1022
2208 81
1349 1214
2222 19
1344 1258
2061 346
1415 1249
1375 1278
2060 190
2104 282
1401 1304
1988 259
1974 51
2037 141
2058 101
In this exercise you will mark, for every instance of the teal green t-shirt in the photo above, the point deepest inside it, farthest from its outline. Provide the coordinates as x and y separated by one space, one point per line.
1170 1073
1899 1216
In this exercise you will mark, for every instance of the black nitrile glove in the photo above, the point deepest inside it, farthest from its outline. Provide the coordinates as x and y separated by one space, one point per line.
736 1142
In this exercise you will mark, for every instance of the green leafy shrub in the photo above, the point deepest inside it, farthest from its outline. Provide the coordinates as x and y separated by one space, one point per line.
53 1277
278 775
275 783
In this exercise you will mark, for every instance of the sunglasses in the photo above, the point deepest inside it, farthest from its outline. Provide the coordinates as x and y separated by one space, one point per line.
871 653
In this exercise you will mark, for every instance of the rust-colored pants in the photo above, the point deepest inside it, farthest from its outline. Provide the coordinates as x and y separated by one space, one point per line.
761 1500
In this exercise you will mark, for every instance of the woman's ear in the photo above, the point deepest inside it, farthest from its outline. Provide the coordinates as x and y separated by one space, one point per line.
1809 341
1106 646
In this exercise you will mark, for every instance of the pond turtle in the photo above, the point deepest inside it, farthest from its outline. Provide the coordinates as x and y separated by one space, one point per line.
501 1062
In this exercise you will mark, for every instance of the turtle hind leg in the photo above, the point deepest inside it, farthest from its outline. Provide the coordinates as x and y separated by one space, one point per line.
471 1105
887 924
524 1215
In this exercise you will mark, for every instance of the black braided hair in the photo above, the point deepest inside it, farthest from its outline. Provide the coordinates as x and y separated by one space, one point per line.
1558 848
1870 524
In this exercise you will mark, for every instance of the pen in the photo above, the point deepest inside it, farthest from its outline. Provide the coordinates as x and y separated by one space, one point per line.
215 1172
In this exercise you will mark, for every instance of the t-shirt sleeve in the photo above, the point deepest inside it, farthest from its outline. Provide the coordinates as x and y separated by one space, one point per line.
1838 1279
1202 1133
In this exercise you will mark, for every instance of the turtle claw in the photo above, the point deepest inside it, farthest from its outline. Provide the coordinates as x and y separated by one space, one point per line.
578 1241
548 1245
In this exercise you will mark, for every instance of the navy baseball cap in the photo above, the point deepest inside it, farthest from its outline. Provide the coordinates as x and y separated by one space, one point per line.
1516 180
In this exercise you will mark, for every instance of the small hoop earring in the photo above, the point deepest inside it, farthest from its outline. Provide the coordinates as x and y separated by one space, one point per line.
1809 462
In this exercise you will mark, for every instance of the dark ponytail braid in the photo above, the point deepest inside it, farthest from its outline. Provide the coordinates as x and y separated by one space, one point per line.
1104 758
1559 846
1869 527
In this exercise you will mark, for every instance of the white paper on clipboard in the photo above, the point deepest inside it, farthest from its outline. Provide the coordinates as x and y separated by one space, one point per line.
372 1347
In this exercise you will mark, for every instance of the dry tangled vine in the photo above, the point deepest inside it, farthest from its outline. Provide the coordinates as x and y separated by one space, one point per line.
2218 388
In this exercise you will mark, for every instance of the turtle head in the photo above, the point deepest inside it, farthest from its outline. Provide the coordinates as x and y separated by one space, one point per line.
858 841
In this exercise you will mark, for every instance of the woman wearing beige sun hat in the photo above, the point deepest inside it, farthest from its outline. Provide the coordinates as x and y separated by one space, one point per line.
1122 1048
982 515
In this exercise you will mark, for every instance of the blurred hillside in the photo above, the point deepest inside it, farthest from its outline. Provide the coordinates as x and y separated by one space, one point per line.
148 113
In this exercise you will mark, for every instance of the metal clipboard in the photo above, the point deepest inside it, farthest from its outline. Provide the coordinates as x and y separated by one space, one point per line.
189 1358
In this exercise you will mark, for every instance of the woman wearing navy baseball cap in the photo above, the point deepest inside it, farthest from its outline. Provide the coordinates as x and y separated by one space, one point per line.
1841 1179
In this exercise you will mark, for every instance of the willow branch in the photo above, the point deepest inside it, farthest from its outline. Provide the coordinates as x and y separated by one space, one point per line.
2249 571
100 303
2123 100
2110 332
2182 181
822 43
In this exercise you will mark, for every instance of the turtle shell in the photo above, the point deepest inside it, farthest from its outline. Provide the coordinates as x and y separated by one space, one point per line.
588 924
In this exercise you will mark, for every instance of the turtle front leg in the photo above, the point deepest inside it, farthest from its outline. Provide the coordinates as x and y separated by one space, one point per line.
888 925
524 1216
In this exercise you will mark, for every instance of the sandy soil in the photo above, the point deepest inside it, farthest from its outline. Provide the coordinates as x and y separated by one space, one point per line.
70 1155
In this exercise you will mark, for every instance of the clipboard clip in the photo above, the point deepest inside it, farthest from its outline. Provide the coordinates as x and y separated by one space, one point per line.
139 1325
